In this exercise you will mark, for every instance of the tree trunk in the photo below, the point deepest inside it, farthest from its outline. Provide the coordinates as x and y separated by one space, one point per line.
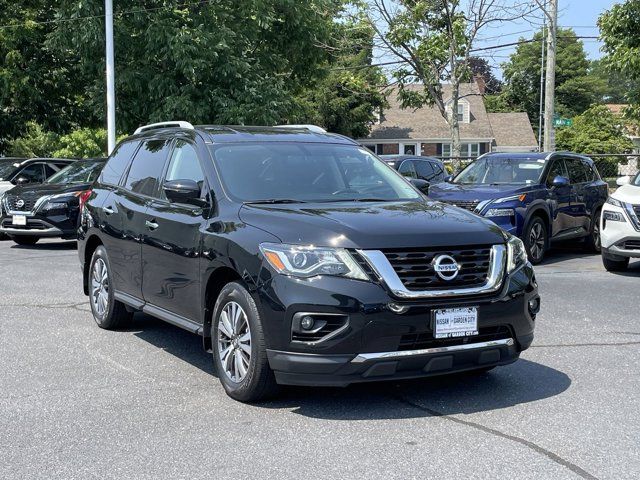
454 126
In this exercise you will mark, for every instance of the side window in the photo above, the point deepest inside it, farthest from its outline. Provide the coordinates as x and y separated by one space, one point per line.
146 168
424 169
438 172
184 164
576 170
117 163
588 171
406 169
52 167
34 173
557 169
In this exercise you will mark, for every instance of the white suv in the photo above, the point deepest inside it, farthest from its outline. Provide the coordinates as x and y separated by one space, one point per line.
620 225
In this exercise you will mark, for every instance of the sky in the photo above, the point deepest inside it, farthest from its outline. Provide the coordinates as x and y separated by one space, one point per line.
581 15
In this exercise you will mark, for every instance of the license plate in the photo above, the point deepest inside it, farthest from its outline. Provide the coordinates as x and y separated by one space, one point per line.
19 220
455 322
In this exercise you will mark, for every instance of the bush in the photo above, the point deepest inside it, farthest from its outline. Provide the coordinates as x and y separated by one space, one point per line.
83 143
35 143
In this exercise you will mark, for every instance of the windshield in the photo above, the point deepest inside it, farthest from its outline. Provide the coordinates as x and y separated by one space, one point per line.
7 167
307 172
502 170
78 172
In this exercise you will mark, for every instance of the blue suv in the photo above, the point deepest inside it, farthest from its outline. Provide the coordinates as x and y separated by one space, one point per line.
539 197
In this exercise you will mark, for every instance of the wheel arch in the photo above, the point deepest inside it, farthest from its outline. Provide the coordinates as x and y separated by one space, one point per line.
218 278
541 211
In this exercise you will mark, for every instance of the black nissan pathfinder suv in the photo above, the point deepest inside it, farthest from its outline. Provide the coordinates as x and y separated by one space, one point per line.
300 258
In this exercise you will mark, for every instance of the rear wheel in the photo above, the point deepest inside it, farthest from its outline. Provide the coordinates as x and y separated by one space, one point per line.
615 265
239 350
25 239
592 242
107 311
535 240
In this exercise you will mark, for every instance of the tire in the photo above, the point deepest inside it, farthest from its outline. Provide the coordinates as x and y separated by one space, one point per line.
108 313
25 239
615 265
239 351
535 240
592 242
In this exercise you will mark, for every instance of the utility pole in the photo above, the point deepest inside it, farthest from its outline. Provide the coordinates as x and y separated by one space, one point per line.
550 80
111 94
541 112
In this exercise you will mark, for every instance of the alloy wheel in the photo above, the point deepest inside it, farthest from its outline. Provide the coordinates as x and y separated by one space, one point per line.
234 341
100 287
536 240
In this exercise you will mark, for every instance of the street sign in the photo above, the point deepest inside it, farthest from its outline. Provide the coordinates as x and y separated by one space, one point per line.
562 122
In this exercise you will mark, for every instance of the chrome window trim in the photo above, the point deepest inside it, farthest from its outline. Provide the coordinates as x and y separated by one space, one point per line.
365 357
379 263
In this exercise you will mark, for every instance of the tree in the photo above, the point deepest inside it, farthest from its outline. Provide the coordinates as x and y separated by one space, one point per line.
597 130
620 32
620 88
480 66
432 41
522 76
229 61
37 83
36 142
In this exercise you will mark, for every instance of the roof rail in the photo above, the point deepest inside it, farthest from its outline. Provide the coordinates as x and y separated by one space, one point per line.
152 126
311 128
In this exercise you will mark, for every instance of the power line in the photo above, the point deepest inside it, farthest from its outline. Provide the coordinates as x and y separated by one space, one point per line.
520 42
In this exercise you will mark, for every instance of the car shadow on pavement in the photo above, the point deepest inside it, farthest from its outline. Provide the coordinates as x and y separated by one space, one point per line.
61 245
521 382
564 251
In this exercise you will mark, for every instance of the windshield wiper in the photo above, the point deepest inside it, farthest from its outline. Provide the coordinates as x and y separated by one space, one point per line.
274 201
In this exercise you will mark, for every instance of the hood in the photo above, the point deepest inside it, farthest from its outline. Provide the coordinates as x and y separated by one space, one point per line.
450 192
44 189
373 225
628 193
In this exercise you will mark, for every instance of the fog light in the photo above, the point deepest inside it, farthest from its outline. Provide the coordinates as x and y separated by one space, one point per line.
307 322
534 305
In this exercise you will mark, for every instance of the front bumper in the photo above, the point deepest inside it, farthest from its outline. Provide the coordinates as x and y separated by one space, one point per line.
619 239
380 344
63 226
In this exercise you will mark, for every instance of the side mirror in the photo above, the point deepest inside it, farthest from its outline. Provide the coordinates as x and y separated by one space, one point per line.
22 181
449 179
626 180
421 185
560 181
182 191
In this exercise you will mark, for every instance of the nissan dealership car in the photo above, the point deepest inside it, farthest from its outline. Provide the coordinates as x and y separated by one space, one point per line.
620 225
300 258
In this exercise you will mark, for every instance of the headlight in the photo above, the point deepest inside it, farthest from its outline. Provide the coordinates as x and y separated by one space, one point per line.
512 198
613 201
55 202
500 212
309 261
516 254
613 216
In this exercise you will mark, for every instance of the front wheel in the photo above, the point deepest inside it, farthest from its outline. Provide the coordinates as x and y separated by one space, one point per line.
107 311
25 239
535 240
615 265
592 242
239 351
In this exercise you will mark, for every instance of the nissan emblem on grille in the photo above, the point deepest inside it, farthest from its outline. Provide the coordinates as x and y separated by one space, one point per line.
446 267
19 203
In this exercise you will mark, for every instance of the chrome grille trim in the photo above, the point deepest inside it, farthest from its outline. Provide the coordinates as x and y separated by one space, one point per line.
379 263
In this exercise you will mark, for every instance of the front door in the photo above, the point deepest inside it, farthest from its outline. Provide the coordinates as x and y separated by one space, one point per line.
562 220
171 245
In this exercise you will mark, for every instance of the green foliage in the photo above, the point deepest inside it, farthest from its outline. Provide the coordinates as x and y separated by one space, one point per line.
497 103
480 66
597 130
620 32
574 90
83 143
36 142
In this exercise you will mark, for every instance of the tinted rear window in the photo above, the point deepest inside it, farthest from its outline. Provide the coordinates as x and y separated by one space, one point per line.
117 163
146 168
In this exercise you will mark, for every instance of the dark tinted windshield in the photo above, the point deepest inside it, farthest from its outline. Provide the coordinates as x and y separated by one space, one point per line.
502 170
7 167
307 172
78 172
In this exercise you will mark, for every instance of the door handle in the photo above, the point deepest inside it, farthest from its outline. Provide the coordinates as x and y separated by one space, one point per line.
151 225
107 210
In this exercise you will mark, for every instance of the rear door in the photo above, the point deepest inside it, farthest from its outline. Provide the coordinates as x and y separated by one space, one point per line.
578 175
171 242
128 206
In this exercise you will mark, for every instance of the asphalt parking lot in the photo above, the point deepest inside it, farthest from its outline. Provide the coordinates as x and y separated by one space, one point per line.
80 402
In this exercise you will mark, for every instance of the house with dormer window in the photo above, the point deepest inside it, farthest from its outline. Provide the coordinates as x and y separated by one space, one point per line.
423 131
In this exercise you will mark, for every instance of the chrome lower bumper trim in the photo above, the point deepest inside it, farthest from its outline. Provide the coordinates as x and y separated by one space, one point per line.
365 357
42 232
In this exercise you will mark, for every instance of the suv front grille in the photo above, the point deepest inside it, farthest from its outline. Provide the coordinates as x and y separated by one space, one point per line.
418 341
632 245
12 201
415 267
471 206
636 208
